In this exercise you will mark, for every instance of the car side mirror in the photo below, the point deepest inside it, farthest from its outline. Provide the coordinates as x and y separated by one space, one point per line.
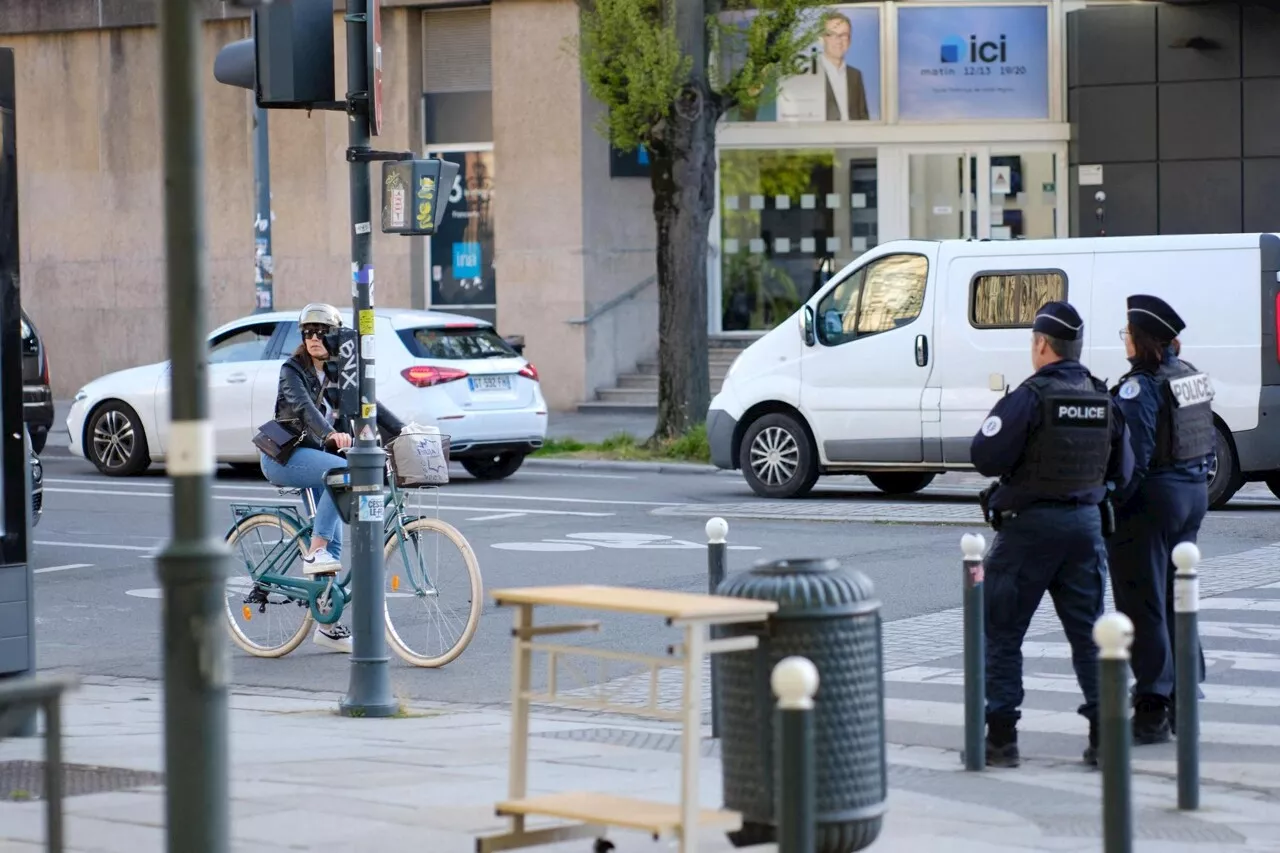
806 325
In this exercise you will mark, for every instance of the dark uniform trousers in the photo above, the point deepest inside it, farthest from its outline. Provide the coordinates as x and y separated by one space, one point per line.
1163 513
1054 548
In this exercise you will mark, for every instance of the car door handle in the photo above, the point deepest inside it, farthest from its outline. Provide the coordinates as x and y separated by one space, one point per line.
237 378
922 350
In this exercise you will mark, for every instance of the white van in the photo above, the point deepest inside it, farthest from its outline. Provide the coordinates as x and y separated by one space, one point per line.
891 367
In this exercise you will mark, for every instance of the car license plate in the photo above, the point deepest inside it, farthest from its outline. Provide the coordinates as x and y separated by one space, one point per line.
490 383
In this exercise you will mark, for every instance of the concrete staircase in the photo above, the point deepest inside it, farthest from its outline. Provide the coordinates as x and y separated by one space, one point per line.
637 393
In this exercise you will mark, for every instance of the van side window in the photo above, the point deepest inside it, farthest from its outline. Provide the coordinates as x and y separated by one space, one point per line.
885 294
1010 300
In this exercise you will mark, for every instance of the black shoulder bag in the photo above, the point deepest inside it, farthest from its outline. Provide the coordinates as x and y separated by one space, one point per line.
278 439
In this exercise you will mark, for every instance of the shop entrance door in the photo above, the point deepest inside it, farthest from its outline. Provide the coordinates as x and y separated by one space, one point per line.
997 192
945 191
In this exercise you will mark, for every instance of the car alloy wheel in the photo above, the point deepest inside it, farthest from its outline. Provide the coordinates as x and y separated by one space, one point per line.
114 440
774 456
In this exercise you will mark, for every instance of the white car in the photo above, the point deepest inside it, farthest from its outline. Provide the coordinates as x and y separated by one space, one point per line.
446 370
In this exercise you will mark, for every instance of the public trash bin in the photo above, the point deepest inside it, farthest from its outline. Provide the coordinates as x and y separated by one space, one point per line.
827 613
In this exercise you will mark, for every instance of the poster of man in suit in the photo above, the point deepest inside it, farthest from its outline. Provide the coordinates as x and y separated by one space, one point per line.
840 78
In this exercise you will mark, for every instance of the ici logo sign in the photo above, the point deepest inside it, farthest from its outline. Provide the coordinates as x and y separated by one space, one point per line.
958 49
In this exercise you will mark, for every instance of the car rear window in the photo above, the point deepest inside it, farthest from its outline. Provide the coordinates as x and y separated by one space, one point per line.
456 343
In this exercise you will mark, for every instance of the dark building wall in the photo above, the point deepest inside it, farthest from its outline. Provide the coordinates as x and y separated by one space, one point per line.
1180 106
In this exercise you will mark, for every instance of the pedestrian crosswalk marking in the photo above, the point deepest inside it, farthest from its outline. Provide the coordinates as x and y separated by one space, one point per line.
928 712
1215 694
1251 661
1258 605
1239 631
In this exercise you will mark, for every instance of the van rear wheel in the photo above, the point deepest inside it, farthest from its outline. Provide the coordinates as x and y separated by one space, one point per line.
777 458
901 482
1224 471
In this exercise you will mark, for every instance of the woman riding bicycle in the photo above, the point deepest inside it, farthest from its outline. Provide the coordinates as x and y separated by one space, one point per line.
301 398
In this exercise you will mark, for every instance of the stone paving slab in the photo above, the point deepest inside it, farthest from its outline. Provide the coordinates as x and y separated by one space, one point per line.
428 782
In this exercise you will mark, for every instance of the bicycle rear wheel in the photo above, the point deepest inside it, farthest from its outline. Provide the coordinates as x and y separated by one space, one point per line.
265 624
435 591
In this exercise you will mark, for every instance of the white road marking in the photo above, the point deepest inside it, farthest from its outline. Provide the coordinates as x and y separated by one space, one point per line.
1066 722
627 541
1215 694
1239 631
444 495
578 476
1263 605
1250 661
150 549
500 515
298 503
67 567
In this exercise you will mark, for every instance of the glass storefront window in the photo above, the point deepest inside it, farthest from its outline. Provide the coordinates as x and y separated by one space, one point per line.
789 220
1023 196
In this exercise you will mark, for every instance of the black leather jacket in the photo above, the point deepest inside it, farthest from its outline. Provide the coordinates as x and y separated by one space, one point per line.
297 398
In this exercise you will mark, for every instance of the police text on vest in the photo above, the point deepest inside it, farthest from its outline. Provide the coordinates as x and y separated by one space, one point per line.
1191 390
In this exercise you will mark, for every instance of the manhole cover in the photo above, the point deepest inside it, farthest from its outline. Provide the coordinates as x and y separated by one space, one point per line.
24 780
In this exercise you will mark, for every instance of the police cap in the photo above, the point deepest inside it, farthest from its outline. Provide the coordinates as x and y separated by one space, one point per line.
1059 320
1153 315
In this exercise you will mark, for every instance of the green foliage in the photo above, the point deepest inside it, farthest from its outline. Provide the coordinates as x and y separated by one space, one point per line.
692 446
632 61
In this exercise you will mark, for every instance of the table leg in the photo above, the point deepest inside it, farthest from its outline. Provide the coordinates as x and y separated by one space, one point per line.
692 743
522 670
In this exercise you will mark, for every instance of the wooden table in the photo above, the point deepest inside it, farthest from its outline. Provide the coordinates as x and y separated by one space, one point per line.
594 811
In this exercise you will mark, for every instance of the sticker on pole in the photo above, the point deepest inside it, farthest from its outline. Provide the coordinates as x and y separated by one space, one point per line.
370 508
368 347
366 321
368 410
1186 595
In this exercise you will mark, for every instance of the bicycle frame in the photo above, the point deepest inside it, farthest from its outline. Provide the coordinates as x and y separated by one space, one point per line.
269 573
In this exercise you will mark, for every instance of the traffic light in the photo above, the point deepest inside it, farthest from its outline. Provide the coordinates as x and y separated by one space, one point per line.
415 194
288 62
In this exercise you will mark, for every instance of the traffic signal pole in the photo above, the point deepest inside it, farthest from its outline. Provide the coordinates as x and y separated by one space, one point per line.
369 690
194 564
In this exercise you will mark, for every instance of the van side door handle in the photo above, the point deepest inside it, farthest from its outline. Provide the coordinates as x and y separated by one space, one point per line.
922 350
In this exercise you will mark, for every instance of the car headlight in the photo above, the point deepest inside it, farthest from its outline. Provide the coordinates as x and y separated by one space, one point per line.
80 396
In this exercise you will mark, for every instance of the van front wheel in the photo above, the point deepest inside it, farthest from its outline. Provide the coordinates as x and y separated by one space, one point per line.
777 458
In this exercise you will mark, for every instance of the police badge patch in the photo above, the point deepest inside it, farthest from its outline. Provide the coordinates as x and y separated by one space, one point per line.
991 426
1130 389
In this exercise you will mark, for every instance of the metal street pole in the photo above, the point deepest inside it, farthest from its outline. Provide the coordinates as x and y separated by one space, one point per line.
1186 656
369 691
975 645
717 530
264 272
193 566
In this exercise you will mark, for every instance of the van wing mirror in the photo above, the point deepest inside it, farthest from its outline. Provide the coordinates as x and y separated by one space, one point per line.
806 326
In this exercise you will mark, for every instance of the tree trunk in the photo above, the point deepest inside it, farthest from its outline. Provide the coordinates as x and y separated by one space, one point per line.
683 180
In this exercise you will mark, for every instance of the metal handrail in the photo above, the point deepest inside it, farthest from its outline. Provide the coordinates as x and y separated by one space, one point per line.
46 692
629 294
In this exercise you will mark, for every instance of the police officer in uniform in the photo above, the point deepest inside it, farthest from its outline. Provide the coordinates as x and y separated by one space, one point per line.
1167 406
1057 444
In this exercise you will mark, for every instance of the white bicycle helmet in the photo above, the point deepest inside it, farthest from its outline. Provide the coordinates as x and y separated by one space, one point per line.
320 314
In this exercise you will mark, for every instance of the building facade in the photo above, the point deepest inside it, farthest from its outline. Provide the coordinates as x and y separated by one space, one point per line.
920 118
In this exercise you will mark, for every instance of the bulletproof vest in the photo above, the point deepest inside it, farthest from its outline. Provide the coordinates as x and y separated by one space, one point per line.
1184 427
1068 452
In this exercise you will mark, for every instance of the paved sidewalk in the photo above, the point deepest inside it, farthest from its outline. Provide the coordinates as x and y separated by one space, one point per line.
428 781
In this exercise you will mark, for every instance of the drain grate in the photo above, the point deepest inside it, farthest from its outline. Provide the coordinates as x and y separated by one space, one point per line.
1062 817
24 780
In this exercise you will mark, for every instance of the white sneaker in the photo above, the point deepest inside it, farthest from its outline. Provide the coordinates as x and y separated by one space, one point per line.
333 637
321 563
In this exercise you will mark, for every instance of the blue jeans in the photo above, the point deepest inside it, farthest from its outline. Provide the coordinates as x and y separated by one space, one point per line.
1053 549
305 470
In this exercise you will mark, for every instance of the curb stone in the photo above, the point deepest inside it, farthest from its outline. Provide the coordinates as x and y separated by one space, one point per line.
615 465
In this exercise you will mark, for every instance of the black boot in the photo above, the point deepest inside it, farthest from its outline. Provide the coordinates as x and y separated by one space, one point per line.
1151 720
1091 751
1002 744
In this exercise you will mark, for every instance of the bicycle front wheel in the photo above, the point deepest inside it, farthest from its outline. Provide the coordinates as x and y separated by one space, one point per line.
433 589
265 624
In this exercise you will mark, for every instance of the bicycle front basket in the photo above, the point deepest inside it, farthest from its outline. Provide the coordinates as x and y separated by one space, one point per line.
420 459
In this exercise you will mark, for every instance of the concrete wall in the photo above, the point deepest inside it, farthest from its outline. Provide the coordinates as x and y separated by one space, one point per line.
1180 105
91 202
568 237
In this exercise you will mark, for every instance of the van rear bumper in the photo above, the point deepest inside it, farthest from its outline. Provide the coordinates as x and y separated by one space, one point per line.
1258 449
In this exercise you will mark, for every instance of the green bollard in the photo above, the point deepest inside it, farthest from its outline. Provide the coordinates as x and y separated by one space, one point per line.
975 664
1186 650
795 681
